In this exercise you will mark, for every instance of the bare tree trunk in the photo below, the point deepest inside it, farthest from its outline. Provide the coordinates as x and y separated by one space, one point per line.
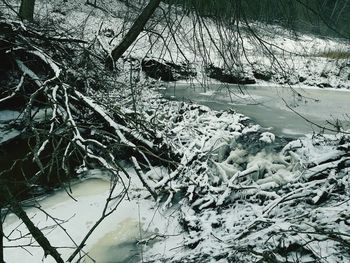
1 239
133 32
34 231
26 10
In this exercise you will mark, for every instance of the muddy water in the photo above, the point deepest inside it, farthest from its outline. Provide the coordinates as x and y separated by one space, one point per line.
288 112
119 245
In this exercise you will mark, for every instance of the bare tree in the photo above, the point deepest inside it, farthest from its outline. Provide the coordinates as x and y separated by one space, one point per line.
63 131
133 32
1 238
69 106
26 10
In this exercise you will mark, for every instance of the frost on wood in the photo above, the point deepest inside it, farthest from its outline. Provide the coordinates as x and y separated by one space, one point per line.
245 201
245 195
65 131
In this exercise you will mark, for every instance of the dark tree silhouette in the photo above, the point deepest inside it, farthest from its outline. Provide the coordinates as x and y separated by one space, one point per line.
133 32
26 10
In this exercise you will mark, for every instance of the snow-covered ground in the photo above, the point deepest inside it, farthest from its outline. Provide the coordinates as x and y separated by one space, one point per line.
290 58
240 194
249 195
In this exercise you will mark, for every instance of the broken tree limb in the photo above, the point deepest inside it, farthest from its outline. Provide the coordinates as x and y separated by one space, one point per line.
140 174
37 234
133 32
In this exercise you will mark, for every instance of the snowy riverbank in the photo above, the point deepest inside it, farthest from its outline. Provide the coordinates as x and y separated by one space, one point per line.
240 194
232 191
272 55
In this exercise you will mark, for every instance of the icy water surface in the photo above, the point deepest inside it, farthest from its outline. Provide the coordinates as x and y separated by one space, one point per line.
119 245
114 241
273 106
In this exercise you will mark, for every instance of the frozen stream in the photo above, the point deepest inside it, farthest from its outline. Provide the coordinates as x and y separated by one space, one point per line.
267 105
114 241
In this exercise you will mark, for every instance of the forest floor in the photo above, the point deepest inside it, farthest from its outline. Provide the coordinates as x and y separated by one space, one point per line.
269 54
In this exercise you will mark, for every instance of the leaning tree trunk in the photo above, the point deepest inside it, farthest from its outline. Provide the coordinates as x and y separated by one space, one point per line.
34 230
26 10
1 239
133 32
